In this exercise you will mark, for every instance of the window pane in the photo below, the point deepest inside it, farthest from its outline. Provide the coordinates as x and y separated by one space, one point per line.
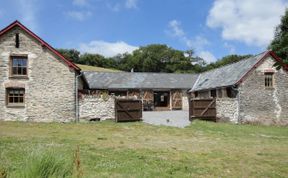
14 70
24 62
24 72
14 62
19 70
16 100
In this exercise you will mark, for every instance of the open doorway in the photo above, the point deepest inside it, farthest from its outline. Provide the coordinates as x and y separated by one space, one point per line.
162 100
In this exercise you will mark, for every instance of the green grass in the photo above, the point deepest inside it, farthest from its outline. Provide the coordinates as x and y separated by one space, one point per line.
109 149
96 69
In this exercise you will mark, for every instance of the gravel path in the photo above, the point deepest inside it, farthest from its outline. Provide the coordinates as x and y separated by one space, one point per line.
168 118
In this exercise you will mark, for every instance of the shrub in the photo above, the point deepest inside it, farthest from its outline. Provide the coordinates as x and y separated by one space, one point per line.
3 172
46 165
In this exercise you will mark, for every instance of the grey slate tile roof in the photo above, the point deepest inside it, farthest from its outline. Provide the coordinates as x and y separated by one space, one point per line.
227 75
138 80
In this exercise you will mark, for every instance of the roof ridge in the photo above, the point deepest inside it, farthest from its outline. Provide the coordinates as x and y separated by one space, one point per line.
158 73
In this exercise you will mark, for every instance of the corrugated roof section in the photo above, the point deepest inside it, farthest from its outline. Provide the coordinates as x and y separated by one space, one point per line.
137 80
227 75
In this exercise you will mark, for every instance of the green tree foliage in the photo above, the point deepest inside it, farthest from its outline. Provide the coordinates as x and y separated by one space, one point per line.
152 58
280 42
71 54
156 58
225 60
97 60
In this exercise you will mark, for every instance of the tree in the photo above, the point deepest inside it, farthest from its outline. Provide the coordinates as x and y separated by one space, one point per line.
280 42
156 58
97 60
71 54
225 61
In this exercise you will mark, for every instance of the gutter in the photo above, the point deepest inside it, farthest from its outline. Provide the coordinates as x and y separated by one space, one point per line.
77 97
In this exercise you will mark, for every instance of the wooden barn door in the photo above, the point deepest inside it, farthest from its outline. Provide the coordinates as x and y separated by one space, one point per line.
148 100
176 99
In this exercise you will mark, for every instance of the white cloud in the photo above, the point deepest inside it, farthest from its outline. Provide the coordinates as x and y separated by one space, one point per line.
131 4
79 15
176 29
28 10
107 49
197 43
125 4
207 56
250 21
230 47
80 2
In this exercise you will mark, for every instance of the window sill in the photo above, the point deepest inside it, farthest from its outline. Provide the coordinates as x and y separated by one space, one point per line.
270 88
19 77
15 106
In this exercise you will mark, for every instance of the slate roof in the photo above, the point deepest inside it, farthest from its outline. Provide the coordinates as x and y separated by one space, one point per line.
139 80
227 75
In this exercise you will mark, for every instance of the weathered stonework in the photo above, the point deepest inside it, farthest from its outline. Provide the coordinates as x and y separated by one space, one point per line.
261 105
49 88
97 107
227 109
185 102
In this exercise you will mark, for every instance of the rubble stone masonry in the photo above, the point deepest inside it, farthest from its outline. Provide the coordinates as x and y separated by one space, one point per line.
49 87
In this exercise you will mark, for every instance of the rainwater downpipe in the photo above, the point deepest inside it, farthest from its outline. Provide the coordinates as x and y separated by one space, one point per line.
77 97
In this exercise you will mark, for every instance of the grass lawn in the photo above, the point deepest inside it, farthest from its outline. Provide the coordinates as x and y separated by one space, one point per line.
109 149
96 69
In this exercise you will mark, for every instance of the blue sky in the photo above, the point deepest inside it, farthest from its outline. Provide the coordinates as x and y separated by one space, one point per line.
213 28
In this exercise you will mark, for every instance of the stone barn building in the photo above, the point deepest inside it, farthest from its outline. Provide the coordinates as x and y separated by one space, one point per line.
158 91
37 83
249 91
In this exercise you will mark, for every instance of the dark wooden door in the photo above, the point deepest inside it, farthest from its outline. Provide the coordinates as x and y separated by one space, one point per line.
203 109
128 110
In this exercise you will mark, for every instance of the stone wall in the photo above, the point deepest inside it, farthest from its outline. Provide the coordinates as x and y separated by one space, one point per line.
96 107
185 100
261 105
227 109
49 88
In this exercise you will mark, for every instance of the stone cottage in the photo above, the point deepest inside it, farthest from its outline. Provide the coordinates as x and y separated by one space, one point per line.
37 83
249 91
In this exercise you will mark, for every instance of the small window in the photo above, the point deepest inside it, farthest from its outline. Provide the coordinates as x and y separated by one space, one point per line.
15 97
196 94
18 66
231 93
213 93
269 80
